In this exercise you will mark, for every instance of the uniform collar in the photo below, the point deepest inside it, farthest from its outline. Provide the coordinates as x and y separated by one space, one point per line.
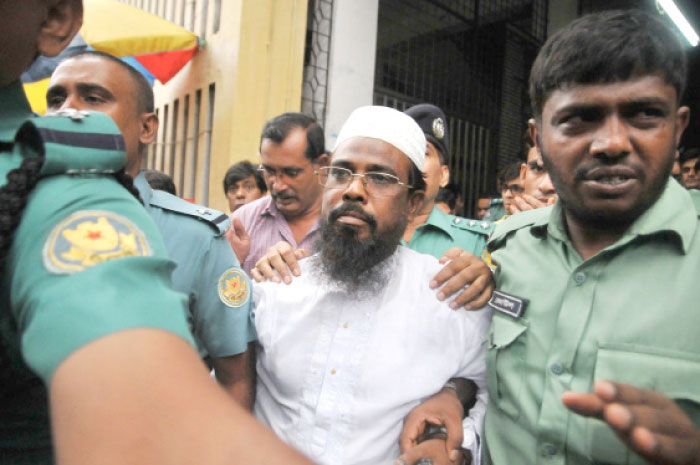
144 189
15 110
674 213
439 220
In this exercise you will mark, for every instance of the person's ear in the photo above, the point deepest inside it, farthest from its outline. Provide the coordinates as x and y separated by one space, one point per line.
63 21
682 120
444 175
322 160
415 201
148 128
532 127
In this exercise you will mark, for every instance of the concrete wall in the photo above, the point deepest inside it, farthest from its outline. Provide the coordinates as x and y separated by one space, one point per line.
212 112
352 60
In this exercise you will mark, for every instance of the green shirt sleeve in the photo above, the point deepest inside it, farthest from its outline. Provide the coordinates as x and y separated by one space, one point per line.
64 294
223 304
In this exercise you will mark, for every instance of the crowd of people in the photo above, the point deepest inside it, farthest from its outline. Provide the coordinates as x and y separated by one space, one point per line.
343 313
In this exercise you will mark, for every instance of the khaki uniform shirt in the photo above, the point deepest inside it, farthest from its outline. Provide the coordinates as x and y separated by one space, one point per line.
629 314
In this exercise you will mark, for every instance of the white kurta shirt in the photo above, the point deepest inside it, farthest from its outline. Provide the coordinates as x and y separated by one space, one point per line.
337 375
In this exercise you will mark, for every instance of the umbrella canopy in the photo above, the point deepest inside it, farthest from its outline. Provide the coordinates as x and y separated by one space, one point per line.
153 45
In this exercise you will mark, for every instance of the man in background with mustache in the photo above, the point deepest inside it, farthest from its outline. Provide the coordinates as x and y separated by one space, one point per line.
348 348
292 150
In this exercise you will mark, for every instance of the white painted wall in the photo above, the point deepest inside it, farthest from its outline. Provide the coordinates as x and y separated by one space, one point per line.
351 62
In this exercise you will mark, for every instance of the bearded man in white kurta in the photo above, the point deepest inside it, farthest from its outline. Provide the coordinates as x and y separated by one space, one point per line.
353 344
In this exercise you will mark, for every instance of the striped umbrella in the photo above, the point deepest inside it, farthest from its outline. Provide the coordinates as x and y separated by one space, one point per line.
153 45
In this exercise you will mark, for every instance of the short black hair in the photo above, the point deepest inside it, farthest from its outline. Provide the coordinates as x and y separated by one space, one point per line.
447 196
510 171
688 153
243 170
278 128
143 92
159 181
606 47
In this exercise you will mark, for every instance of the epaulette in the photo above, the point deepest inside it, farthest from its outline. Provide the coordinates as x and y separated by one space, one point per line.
515 222
73 142
475 226
216 219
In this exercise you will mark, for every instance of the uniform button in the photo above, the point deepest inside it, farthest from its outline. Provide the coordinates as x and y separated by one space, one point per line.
484 225
458 220
333 371
556 368
580 277
548 449
472 223
345 325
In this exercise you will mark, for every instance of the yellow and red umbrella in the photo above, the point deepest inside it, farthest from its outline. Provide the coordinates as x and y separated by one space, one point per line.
153 45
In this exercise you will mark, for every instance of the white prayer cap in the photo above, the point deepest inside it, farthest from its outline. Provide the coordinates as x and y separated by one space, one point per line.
389 125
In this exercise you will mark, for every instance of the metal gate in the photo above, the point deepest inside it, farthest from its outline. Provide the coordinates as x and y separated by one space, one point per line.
471 58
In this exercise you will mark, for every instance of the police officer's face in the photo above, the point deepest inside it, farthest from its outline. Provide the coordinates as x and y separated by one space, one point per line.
534 178
609 147
289 175
30 27
376 214
437 175
689 177
97 84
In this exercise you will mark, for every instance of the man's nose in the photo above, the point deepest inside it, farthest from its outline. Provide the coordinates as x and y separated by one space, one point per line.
545 185
612 139
278 184
356 190
71 102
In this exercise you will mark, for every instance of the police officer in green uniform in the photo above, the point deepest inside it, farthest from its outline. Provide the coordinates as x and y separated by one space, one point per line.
593 351
432 231
86 302
207 269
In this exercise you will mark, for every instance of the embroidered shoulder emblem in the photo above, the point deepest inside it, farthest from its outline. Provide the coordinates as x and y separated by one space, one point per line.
90 237
234 290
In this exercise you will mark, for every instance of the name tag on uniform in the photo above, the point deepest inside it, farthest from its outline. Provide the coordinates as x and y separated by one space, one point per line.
508 304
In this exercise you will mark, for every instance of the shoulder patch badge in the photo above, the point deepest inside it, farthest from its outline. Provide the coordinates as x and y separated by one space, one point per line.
234 290
90 237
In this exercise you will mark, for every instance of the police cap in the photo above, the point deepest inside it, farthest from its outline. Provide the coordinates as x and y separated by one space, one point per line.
433 122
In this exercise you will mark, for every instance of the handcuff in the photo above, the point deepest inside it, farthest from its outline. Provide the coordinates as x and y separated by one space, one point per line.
439 432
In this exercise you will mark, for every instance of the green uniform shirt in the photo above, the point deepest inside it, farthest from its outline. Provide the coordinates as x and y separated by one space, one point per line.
195 240
442 232
629 314
86 261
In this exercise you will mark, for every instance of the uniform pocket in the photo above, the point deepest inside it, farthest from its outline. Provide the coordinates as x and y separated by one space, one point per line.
504 363
673 373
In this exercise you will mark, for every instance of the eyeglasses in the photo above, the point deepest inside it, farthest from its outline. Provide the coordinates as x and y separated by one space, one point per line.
333 177
289 173
515 189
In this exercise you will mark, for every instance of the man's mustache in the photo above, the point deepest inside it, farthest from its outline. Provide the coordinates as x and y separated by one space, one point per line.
347 208
283 195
